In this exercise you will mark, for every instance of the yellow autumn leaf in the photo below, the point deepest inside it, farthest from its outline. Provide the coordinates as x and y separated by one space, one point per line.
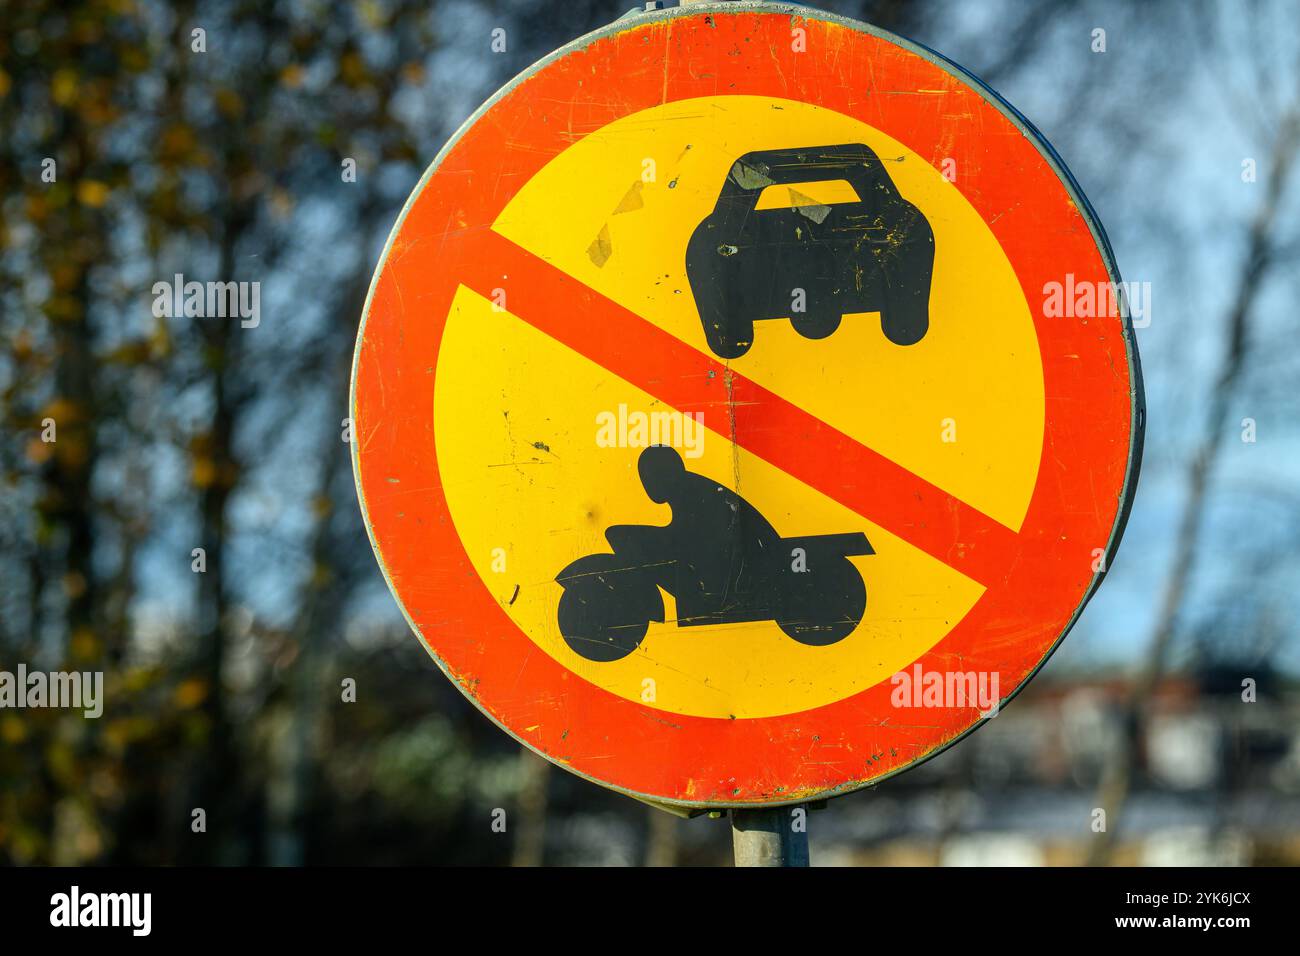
91 192
160 339
63 86
203 472
62 410
190 693
62 762
12 730
83 645
116 735
39 452
229 103
352 68
74 584
373 14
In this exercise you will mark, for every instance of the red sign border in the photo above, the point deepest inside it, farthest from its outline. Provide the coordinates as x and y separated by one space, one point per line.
744 771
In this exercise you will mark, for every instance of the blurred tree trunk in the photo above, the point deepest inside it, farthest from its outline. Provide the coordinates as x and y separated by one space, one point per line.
71 242
530 828
215 472
661 842
322 603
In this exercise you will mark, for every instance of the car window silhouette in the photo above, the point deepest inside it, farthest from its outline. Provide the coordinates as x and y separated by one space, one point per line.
819 192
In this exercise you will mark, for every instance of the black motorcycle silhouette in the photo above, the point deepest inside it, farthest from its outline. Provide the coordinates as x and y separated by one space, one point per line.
721 561
872 255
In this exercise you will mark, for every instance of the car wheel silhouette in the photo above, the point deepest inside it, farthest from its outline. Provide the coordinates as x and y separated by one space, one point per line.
823 606
732 340
819 322
904 319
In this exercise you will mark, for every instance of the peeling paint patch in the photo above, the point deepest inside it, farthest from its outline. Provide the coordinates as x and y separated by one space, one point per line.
808 208
601 248
747 177
632 200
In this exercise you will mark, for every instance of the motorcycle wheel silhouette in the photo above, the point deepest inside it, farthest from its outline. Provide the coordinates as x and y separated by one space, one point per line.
606 607
824 604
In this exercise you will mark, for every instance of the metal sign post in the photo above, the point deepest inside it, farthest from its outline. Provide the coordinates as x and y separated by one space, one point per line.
768 837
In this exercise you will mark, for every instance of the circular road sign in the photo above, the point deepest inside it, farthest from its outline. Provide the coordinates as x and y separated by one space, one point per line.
745 405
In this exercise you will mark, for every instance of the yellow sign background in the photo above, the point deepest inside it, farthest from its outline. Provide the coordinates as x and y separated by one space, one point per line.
530 489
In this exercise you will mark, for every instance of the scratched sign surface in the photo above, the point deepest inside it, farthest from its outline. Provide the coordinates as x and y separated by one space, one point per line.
716 427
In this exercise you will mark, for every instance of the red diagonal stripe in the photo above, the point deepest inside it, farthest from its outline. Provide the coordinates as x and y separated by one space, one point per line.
758 420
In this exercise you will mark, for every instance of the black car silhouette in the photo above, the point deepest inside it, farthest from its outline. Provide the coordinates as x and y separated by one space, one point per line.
872 255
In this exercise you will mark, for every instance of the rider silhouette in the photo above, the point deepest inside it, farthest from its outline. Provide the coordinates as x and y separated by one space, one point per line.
710 553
